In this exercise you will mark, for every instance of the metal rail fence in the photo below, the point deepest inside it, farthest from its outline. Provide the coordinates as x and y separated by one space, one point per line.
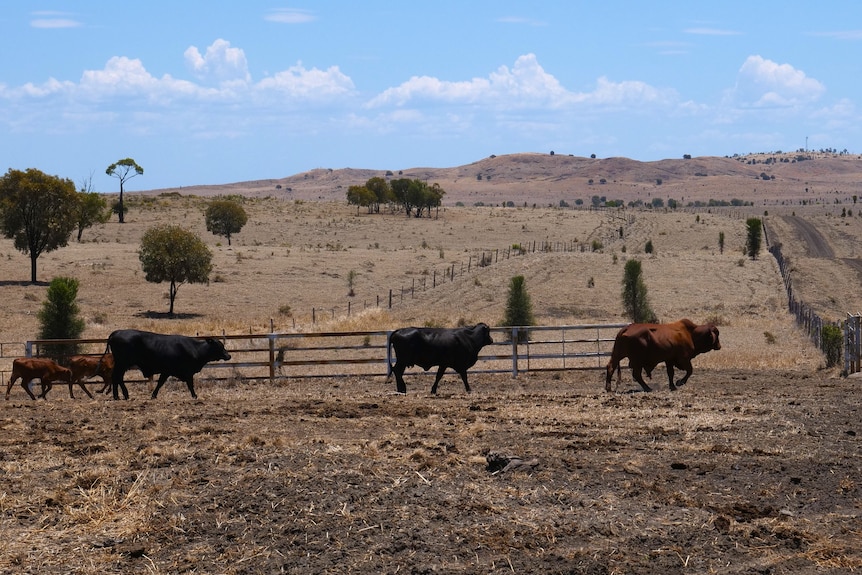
271 356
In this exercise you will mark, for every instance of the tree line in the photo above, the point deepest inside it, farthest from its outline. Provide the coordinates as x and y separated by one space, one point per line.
414 197
39 212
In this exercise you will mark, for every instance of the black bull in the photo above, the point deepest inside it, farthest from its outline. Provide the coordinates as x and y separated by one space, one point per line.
168 355
426 347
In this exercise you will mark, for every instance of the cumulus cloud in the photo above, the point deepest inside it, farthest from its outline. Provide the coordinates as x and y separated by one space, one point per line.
764 83
221 63
300 82
525 85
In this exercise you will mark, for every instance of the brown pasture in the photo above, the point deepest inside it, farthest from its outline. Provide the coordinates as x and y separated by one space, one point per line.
752 467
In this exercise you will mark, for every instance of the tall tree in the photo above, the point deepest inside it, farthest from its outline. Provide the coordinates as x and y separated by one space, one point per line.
361 196
37 211
635 300
58 318
755 233
225 218
519 307
381 190
92 207
124 170
172 254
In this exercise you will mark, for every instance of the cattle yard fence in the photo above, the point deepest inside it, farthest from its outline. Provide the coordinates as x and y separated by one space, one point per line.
272 356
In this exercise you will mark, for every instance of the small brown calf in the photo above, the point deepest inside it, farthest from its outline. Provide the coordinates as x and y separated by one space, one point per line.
45 370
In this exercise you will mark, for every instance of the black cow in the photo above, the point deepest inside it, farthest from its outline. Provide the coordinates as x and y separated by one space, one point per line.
167 355
457 348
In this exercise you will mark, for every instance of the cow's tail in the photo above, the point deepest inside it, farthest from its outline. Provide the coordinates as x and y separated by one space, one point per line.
101 359
389 366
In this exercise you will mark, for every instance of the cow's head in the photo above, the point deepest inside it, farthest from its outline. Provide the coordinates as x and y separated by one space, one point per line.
706 338
217 350
486 333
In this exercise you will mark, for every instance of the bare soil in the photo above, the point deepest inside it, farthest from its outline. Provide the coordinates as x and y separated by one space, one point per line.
738 472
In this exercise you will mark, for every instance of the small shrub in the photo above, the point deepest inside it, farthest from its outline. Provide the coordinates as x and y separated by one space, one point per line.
831 340
770 339
285 310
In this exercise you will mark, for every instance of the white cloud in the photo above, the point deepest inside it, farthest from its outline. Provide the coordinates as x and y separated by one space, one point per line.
710 32
851 35
764 83
221 63
299 82
50 19
525 85
290 16
522 21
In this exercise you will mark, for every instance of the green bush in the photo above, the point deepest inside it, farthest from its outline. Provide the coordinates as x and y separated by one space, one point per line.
831 341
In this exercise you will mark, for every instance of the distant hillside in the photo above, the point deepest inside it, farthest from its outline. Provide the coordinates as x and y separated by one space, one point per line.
544 179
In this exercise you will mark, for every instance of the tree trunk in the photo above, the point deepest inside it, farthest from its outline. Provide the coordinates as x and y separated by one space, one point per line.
120 209
172 293
33 258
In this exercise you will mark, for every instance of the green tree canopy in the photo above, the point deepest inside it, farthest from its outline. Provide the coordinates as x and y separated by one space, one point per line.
58 318
635 300
37 211
225 218
124 170
170 253
519 307
360 196
381 190
755 233
92 209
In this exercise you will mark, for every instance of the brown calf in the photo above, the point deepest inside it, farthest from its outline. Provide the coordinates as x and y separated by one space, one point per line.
45 370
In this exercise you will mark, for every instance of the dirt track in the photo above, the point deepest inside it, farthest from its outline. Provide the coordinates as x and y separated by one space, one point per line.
738 472
815 244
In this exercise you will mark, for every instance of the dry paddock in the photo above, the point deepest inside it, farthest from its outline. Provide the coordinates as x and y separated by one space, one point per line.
737 472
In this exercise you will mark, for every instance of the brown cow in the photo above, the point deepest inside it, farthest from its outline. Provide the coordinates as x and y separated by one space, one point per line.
87 366
45 370
648 344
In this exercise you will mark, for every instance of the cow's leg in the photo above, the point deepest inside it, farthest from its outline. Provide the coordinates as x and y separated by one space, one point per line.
636 373
398 370
191 385
669 365
463 375
9 387
609 375
26 385
81 383
46 386
117 383
437 379
162 379
106 385
686 365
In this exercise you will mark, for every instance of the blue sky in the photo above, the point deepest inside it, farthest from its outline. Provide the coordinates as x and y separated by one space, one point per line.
211 92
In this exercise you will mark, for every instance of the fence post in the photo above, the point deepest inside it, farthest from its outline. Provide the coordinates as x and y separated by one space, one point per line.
271 357
515 351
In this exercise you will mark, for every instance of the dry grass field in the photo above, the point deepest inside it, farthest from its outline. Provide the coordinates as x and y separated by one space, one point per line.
752 467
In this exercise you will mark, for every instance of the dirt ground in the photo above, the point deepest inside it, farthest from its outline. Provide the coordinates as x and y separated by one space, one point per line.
737 472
